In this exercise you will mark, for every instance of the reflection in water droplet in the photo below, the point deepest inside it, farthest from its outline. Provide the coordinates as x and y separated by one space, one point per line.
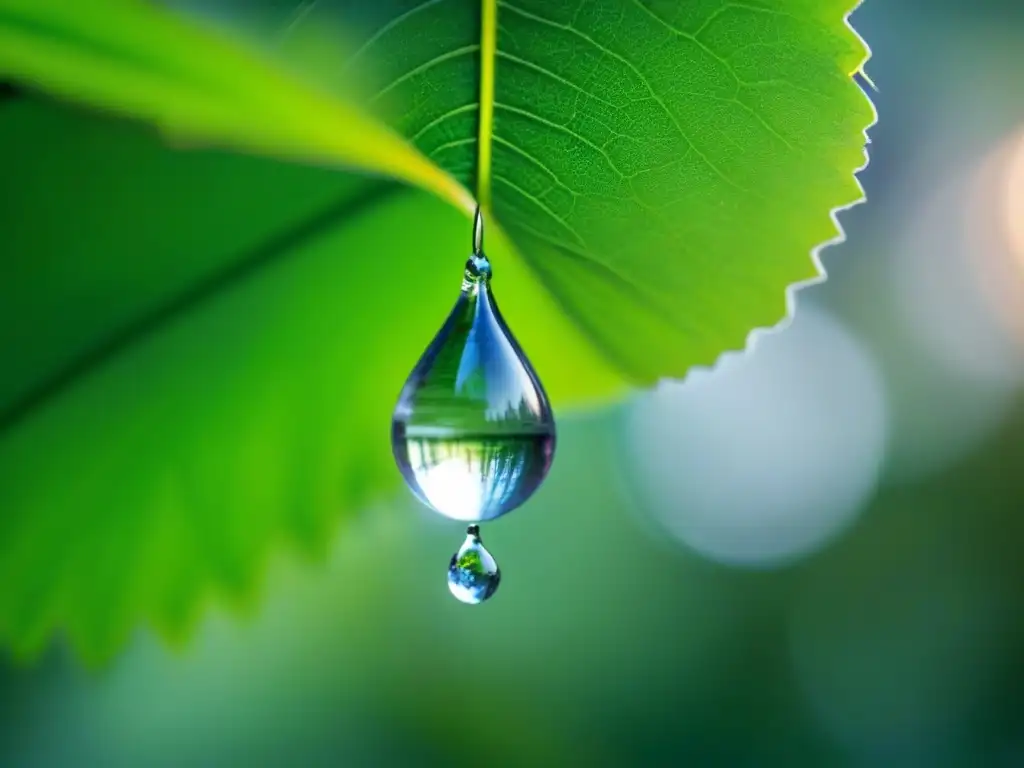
473 575
473 433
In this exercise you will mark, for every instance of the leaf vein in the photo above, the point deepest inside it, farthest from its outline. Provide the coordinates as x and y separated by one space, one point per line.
556 77
565 129
533 159
398 20
542 205
208 288
441 118
642 78
421 68
450 145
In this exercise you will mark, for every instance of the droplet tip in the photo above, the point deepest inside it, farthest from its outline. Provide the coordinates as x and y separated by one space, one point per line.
478 268
478 231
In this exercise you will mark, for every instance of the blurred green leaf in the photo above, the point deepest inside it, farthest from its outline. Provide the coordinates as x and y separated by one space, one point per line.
139 60
201 350
201 353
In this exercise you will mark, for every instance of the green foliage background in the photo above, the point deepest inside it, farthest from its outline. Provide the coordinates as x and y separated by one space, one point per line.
204 347
610 644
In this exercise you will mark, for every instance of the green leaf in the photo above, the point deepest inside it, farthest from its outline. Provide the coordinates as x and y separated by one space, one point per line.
201 355
201 350
141 61
664 168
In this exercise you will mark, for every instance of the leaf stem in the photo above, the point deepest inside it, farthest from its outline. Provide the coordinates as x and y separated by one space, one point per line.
488 54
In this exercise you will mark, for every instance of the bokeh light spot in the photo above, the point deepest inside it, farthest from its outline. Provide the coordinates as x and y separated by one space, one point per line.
770 455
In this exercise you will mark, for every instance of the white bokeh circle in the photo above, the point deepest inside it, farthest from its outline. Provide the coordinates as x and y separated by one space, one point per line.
958 291
768 456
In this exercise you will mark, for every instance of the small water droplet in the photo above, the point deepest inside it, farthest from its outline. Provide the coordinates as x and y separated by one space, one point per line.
473 433
473 575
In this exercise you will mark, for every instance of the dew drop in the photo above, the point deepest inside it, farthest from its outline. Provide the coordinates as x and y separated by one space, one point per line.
473 433
473 575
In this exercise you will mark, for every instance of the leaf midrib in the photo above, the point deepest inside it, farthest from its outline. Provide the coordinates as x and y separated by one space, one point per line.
485 128
204 290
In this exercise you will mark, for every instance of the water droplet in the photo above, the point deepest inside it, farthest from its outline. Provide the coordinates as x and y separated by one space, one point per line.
473 575
473 433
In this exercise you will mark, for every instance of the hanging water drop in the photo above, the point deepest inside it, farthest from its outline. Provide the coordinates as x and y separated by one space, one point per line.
473 575
473 433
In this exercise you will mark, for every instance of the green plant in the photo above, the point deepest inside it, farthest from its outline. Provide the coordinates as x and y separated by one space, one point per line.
202 348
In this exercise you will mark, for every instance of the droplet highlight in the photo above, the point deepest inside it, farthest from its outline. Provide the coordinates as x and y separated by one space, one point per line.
473 575
473 433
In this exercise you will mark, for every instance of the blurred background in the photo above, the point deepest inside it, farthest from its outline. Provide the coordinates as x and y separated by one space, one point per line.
810 556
